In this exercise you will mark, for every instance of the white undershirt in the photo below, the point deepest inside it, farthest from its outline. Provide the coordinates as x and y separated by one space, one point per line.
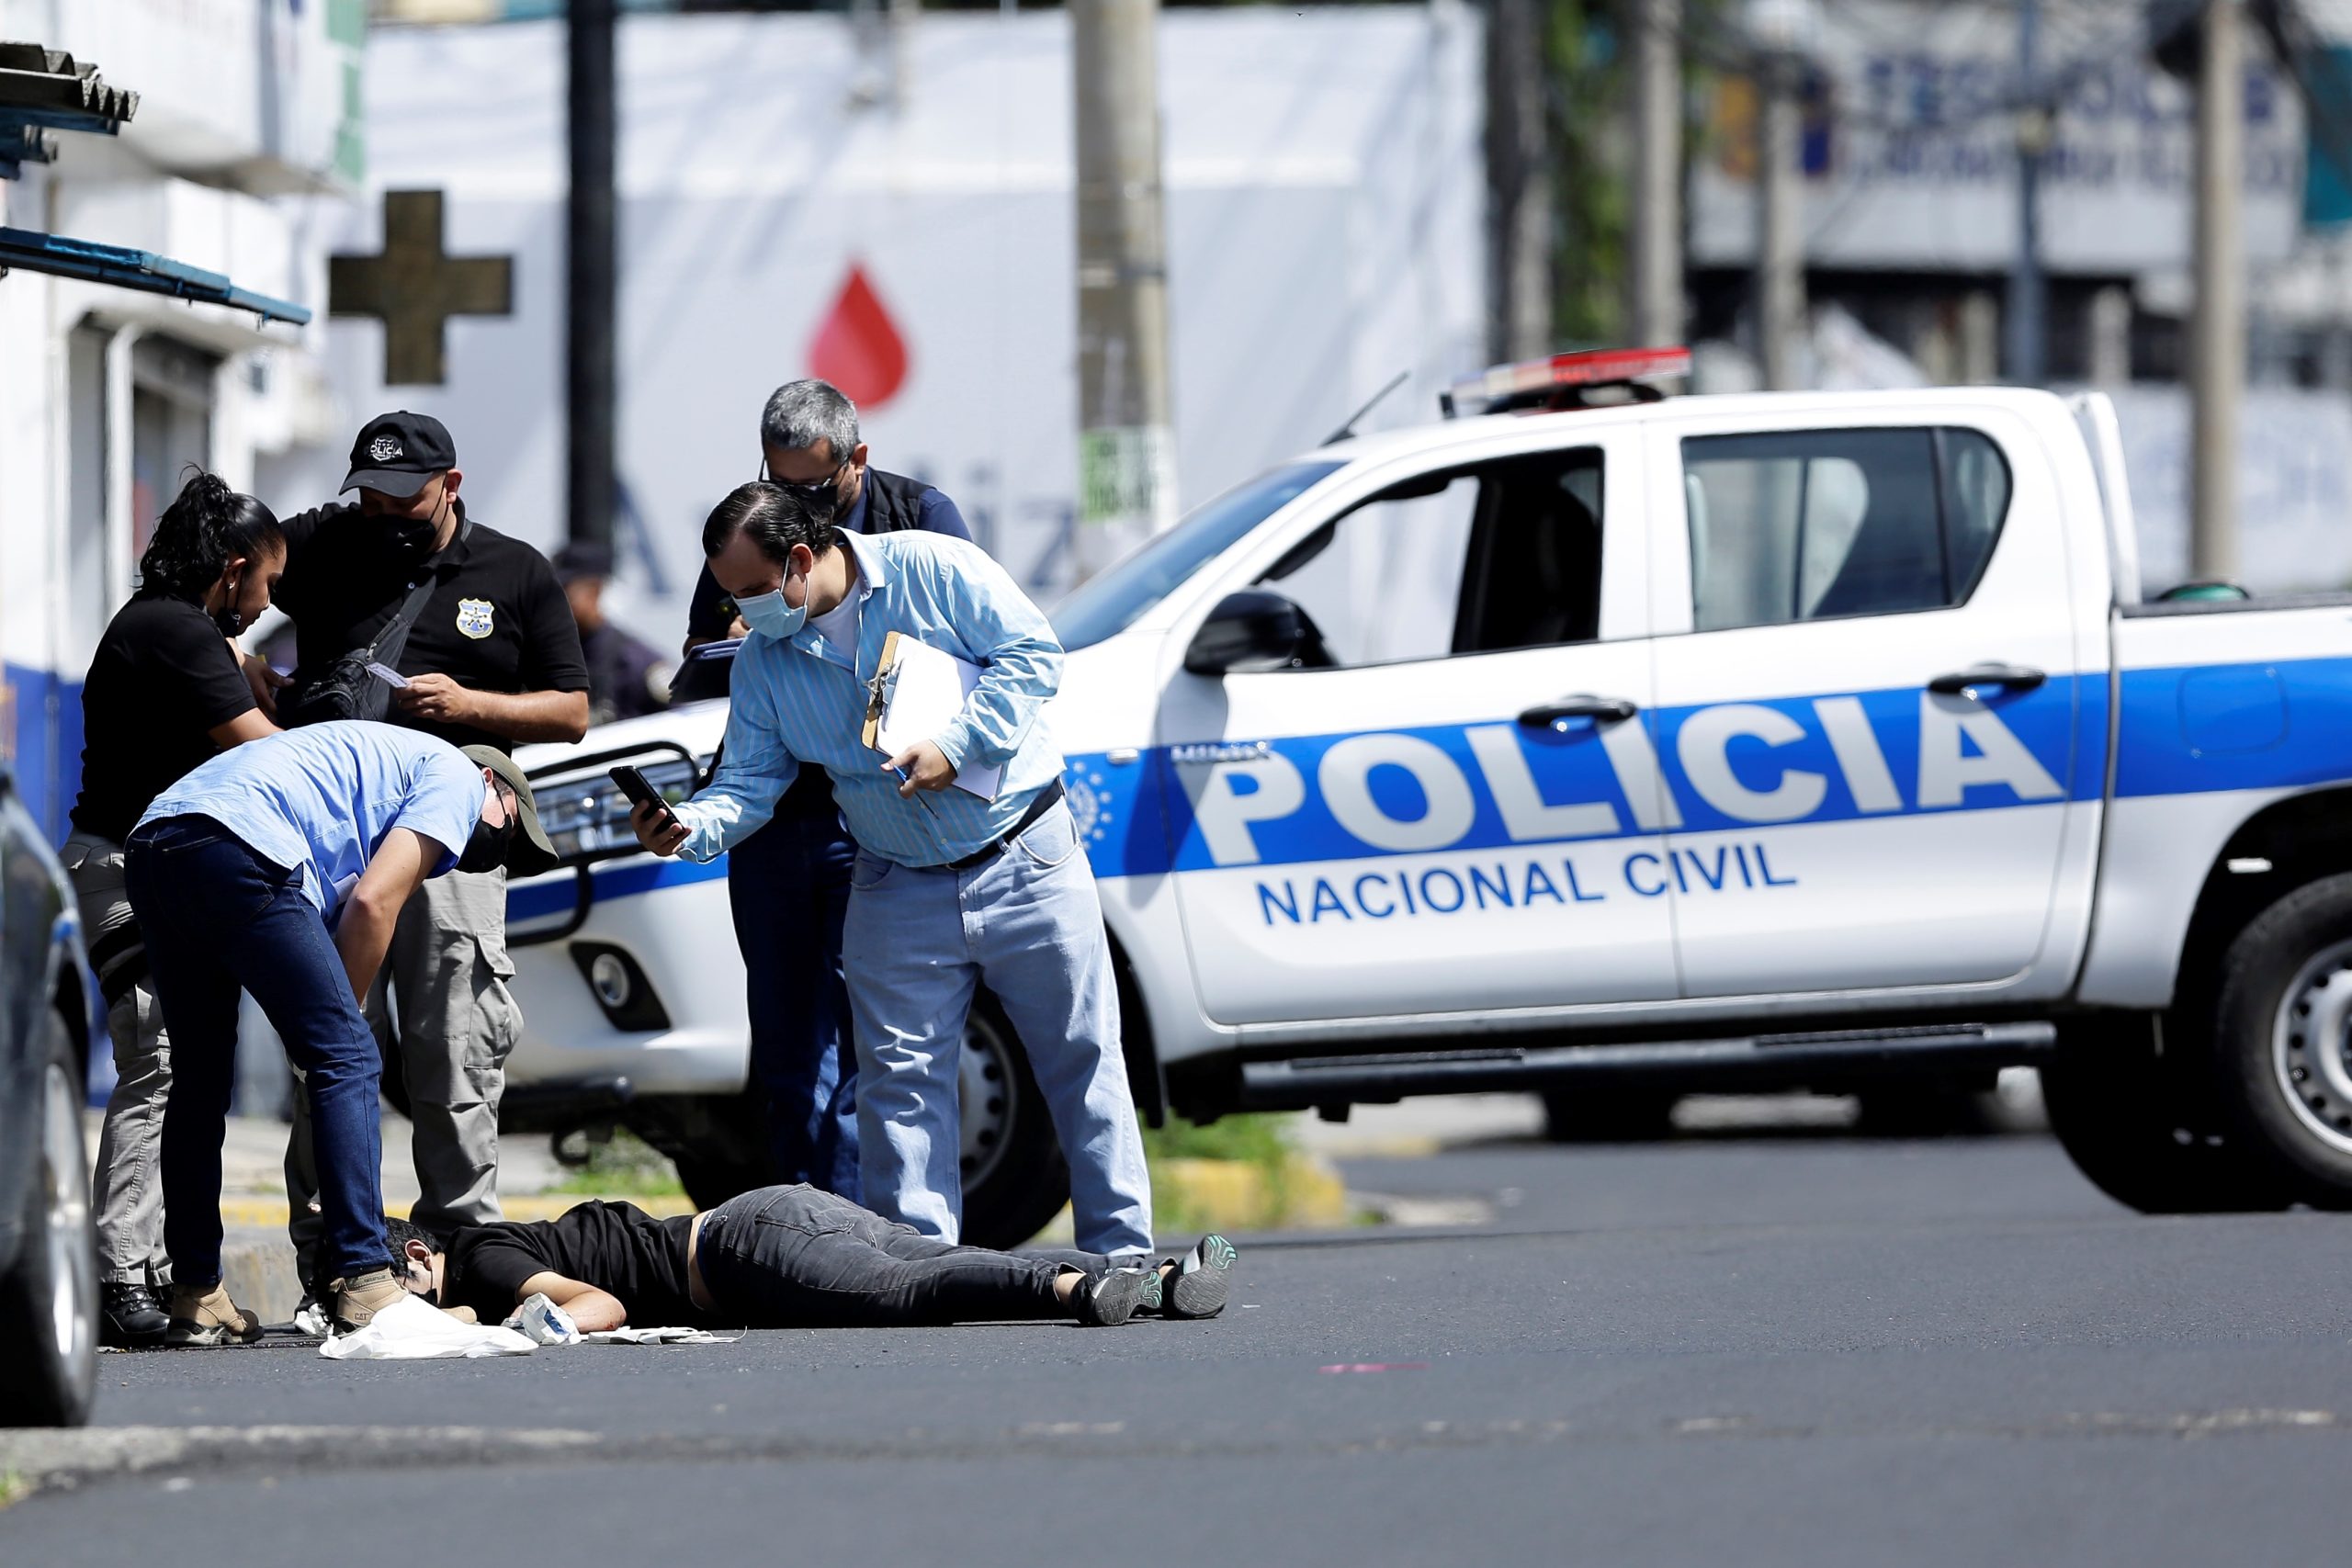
838 626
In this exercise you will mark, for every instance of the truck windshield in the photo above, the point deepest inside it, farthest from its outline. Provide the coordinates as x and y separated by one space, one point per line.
1107 604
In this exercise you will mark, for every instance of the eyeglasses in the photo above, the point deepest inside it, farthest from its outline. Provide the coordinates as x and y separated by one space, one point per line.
826 489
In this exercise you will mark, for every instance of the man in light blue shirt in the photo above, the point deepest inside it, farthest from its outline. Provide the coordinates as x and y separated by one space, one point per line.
281 867
949 889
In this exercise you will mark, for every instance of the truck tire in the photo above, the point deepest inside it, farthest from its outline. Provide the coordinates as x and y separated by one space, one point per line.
49 1302
2283 1039
2140 1120
1014 1178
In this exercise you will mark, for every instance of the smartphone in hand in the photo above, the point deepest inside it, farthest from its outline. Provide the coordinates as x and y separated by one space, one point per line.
640 793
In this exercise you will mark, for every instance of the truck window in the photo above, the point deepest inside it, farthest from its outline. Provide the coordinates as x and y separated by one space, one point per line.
1109 603
1475 560
1803 525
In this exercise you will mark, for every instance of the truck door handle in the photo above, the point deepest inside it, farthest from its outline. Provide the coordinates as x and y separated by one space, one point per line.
2015 677
1580 705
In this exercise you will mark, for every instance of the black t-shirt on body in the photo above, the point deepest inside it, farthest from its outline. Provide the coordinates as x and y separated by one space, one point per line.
162 680
618 1247
497 620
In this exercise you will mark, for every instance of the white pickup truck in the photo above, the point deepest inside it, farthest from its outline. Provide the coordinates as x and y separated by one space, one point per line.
1764 741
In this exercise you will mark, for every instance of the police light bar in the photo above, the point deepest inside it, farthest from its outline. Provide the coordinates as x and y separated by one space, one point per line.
1561 381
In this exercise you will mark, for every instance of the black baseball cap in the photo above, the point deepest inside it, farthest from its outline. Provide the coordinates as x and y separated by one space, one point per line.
397 452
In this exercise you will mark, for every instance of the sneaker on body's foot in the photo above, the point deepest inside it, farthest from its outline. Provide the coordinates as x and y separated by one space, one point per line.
203 1315
1196 1285
1111 1299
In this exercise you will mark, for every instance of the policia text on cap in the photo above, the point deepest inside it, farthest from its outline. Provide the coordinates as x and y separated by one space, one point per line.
492 657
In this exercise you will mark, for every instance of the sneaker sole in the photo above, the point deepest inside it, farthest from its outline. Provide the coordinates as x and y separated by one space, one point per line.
1201 1292
1118 1295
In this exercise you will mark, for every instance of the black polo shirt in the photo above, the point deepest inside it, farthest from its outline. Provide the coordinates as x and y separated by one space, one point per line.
497 620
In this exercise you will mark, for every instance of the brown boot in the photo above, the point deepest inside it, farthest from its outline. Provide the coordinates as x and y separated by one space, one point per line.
203 1315
357 1301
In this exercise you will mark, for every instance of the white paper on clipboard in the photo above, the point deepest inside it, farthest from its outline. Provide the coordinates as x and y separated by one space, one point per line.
928 688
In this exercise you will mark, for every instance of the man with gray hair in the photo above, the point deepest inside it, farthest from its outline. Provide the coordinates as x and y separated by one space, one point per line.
788 882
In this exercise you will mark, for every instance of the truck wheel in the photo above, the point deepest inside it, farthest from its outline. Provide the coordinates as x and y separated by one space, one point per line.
2139 1121
2283 1039
1599 1115
1014 1176
49 1303
1015 1180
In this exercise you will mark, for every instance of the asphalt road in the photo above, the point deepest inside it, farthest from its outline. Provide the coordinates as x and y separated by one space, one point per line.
1799 1350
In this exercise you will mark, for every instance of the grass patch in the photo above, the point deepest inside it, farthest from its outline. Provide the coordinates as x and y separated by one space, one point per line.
1257 1139
623 1167
15 1487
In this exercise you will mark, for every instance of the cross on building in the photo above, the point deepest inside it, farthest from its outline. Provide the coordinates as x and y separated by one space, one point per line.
414 287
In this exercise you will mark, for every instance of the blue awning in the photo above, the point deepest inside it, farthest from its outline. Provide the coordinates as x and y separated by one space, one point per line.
142 270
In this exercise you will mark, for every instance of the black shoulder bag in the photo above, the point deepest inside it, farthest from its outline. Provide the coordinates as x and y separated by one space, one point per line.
346 688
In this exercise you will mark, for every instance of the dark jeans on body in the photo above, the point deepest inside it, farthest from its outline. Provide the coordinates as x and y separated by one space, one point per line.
218 916
796 1257
788 886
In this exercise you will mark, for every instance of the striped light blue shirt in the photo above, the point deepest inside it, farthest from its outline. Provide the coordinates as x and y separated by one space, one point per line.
803 702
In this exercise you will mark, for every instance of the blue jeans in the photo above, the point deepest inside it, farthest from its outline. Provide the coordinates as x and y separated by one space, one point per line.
796 1257
917 944
218 916
788 886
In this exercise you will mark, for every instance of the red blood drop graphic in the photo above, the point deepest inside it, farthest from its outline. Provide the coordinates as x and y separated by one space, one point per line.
857 346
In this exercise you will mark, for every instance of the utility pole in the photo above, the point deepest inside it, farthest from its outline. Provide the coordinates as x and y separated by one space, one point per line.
2217 328
2025 312
1519 184
590 291
1780 228
1658 172
1126 434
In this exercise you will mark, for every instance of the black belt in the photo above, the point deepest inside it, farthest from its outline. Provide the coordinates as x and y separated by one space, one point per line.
1047 799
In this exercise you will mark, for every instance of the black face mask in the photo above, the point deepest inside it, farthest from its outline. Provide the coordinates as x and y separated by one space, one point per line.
410 539
486 847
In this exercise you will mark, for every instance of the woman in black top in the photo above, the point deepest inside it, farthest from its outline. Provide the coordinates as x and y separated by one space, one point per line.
165 692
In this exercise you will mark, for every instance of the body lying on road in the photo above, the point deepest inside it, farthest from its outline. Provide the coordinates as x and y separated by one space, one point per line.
785 1258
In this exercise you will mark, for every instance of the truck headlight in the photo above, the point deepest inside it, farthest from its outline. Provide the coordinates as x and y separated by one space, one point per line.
587 819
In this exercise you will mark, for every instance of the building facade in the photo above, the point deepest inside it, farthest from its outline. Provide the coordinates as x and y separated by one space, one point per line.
107 396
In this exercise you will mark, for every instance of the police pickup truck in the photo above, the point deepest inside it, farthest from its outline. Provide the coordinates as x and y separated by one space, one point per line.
1607 747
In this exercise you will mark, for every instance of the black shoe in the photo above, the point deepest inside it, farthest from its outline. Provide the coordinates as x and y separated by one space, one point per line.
1196 1283
129 1315
1112 1299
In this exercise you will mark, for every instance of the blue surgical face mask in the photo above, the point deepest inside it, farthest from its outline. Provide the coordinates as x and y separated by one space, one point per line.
769 615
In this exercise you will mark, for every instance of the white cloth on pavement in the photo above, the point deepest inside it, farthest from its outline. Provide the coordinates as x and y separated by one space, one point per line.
411 1329
661 1336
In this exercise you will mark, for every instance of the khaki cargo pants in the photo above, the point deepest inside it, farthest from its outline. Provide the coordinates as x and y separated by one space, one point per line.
448 1028
128 1192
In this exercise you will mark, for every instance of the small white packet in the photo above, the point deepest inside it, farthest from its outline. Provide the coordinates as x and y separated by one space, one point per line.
387 674
659 1337
542 1321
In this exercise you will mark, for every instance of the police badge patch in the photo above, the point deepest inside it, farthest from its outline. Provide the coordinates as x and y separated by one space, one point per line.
474 617
383 449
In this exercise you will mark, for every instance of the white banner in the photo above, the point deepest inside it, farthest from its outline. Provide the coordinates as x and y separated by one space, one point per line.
1910 146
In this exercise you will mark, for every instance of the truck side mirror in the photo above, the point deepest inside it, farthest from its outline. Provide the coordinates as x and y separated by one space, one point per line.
1249 631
